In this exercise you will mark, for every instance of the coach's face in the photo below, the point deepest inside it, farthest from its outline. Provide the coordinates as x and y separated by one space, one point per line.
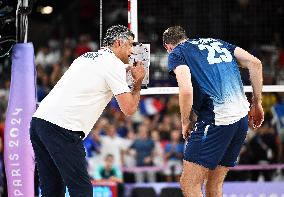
125 49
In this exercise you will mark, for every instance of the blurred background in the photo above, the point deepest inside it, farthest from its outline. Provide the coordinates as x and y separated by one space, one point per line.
148 147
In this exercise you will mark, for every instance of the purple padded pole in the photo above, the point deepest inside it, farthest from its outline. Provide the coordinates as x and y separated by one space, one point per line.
18 152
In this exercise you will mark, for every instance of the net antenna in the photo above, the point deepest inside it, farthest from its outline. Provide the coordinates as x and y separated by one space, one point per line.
24 8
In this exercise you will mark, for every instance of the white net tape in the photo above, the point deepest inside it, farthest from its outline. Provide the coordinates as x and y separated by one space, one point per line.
174 90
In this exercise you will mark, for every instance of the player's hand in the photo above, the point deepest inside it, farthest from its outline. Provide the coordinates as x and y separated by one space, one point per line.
255 115
147 160
137 71
186 131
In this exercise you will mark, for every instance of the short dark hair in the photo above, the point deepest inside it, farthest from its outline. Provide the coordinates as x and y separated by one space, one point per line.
116 32
173 35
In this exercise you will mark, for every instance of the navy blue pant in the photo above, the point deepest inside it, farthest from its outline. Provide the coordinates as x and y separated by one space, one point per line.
60 158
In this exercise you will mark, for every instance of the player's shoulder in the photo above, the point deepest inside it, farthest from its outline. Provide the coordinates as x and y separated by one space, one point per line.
177 51
198 41
184 48
212 42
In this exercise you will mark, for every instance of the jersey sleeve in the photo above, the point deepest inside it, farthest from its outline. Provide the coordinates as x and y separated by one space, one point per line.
116 79
174 60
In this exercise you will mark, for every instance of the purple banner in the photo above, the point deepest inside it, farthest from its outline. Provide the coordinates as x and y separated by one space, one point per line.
230 189
18 152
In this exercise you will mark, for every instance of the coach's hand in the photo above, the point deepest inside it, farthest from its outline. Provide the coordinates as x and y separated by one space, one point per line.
137 71
128 67
255 115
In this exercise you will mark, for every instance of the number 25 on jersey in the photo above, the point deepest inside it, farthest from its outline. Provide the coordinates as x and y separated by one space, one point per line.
223 55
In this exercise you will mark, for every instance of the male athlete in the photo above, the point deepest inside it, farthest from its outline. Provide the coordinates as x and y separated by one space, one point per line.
73 106
209 82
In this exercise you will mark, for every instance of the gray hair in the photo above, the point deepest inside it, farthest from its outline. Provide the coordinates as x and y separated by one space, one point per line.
116 32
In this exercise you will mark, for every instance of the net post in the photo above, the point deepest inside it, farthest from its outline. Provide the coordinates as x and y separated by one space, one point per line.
101 22
132 17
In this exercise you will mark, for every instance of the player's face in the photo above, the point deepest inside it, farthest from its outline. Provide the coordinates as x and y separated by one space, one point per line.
126 50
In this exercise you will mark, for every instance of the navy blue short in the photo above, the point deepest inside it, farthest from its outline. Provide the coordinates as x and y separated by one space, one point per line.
210 145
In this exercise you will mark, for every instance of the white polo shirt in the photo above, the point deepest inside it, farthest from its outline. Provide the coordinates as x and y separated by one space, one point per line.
80 96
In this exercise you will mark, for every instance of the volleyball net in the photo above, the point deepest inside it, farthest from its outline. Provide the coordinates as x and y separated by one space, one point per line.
238 22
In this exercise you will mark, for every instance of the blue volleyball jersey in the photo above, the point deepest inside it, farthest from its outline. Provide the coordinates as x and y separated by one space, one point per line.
218 93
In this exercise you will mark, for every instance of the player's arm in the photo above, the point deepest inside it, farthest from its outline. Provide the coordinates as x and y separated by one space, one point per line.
128 102
183 76
253 64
